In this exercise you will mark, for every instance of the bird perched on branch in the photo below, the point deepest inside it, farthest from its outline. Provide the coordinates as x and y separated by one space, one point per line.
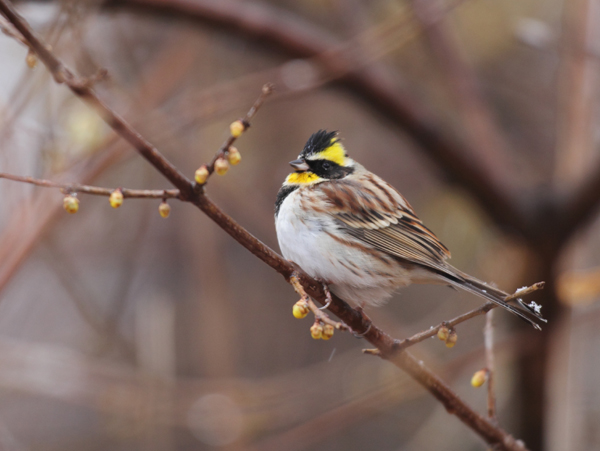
352 230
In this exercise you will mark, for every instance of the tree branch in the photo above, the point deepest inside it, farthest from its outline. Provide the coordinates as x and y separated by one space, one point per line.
422 336
95 190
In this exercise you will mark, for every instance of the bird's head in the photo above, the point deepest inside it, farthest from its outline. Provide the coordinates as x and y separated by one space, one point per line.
323 158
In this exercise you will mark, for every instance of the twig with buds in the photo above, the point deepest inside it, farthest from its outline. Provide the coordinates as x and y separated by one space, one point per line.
69 188
482 310
324 326
227 154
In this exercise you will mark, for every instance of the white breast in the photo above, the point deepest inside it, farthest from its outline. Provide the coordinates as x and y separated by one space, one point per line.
353 275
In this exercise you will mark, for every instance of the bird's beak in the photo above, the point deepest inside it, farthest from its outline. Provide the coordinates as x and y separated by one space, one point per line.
299 165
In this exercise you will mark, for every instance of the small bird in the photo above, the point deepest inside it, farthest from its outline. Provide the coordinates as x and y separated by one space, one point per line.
348 228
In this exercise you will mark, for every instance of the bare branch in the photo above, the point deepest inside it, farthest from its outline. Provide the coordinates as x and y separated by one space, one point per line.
521 292
485 308
454 404
95 190
421 336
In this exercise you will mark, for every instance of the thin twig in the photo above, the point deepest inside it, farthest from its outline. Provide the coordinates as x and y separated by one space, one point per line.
421 336
485 308
489 363
267 89
95 190
525 291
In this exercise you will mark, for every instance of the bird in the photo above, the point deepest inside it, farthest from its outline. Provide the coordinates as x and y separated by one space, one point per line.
348 228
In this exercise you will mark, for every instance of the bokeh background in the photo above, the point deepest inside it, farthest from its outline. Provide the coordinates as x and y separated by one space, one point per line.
121 330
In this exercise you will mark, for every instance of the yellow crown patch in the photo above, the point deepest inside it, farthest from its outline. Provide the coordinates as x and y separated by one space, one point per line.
334 152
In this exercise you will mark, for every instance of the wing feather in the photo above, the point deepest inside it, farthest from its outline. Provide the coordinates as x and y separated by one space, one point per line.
372 211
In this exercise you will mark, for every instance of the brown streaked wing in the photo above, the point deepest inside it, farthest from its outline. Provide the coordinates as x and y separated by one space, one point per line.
372 211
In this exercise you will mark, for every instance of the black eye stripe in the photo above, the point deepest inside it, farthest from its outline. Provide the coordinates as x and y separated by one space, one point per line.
328 169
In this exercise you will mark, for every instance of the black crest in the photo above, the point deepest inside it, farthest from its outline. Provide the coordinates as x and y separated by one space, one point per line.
318 142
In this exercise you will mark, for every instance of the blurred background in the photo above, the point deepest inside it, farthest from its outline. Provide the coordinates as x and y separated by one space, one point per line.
125 331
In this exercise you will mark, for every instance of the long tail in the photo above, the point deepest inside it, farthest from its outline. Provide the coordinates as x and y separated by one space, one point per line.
468 283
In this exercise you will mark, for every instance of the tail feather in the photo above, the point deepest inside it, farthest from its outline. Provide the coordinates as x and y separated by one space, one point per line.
461 280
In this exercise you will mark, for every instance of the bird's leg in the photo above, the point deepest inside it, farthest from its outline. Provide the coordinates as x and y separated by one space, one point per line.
327 294
319 315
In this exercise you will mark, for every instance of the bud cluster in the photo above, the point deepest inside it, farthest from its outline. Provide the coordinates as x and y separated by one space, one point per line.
447 335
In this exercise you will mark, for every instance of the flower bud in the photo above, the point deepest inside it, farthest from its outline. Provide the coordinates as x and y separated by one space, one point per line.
316 331
221 166
164 210
452 339
479 378
328 330
237 128
116 198
233 156
201 175
300 309
31 59
71 204
443 333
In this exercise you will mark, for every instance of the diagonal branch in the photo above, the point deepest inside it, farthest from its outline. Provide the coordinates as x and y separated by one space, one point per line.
356 320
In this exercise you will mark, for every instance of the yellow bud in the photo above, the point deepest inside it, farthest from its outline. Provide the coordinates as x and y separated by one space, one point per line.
327 332
31 59
452 339
116 198
164 209
71 204
233 156
300 309
236 128
316 331
201 175
479 378
221 166
443 333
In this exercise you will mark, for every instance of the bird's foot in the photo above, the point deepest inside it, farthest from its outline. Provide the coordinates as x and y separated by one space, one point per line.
328 297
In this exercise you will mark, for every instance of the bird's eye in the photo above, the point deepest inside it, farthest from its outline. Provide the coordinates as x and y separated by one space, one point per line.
325 165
